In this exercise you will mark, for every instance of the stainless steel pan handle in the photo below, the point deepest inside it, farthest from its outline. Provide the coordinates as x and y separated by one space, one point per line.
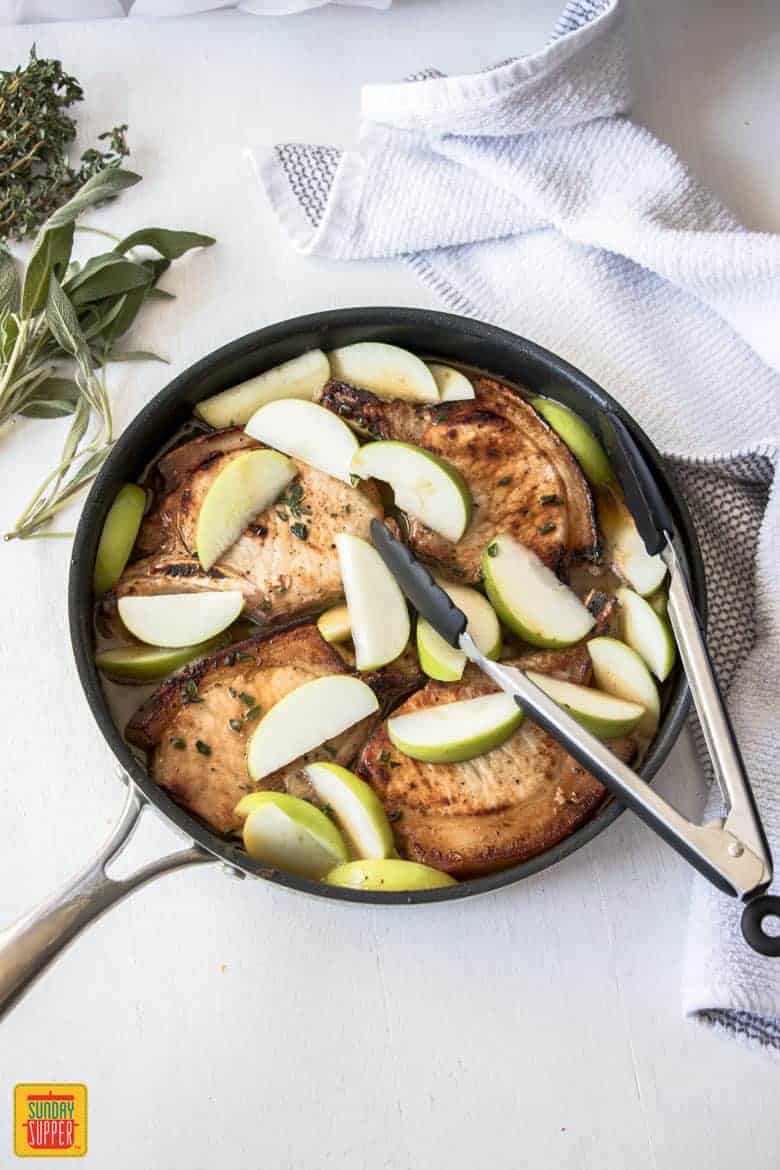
30 945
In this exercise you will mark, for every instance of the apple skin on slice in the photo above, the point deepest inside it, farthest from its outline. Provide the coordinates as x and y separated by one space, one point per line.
307 432
451 732
603 715
578 437
290 834
310 715
425 486
244 488
530 599
334 625
385 370
378 614
441 661
301 377
148 664
390 876
625 547
647 633
174 620
118 536
453 385
618 670
357 808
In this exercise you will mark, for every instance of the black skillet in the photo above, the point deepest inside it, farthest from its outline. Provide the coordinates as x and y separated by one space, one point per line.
31 944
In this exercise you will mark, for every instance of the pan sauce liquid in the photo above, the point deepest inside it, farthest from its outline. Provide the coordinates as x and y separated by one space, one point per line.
125 698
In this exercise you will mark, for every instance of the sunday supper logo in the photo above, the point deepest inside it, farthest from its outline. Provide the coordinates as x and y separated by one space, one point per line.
50 1121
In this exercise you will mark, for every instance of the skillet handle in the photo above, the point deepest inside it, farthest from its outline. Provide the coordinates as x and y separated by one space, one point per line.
37 939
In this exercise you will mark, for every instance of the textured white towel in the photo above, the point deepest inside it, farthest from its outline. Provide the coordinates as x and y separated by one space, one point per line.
524 196
33 11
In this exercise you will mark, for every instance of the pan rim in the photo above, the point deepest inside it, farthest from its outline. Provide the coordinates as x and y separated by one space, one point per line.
187 383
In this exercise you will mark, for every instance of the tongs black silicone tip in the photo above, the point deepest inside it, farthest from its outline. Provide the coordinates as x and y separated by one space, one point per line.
643 496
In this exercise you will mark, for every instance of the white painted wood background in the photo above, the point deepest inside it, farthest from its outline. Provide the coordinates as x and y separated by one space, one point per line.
226 1023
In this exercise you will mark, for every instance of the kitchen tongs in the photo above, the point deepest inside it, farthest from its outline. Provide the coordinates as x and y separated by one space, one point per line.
732 853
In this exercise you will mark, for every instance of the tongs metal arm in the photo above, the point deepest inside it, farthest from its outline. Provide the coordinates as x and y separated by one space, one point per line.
712 849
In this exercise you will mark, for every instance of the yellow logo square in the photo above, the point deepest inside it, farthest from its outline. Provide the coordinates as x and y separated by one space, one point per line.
50 1121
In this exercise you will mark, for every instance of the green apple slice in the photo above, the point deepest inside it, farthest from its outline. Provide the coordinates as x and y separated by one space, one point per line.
356 807
378 615
147 664
630 559
180 619
385 370
245 487
440 660
453 386
425 486
660 602
301 377
334 624
647 633
391 876
451 732
602 714
290 834
578 437
118 536
307 432
307 717
620 671
530 599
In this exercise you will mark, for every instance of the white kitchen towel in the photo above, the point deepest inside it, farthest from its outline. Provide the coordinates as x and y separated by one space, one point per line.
524 196
33 11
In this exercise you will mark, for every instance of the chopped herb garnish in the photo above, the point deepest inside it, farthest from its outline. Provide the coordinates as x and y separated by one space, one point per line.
328 749
354 480
235 724
395 815
242 657
253 712
386 758
179 743
249 700
281 515
202 747
504 481
292 499
300 530
492 550
553 499
547 528
229 660
189 692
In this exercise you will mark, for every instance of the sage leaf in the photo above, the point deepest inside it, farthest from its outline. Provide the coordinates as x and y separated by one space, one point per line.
134 355
54 398
160 294
170 244
9 283
106 184
128 313
63 322
99 316
107 279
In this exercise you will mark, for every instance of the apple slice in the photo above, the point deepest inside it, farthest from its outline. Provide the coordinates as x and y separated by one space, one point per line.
180 619
626 549
301 377
453 386
385 370
356 807
578 437
147 664
305 718
307 432
440 660
425 486
245 487
391 876
602 714
451 732
620 671
290 834
378 616
660 602
530 599
118 536
334 624
647 633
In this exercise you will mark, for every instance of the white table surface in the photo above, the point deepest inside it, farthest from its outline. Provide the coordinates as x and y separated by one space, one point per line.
226 1023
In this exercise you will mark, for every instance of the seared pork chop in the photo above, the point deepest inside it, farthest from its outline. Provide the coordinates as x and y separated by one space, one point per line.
502 807
285 563
523 479
216 703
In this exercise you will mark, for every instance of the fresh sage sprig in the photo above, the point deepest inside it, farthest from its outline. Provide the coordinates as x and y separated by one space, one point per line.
59 327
